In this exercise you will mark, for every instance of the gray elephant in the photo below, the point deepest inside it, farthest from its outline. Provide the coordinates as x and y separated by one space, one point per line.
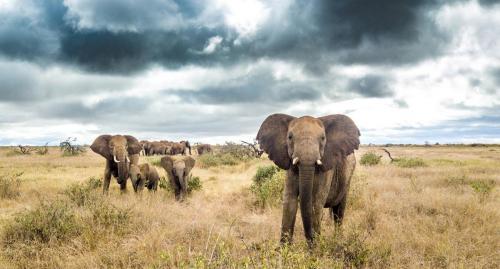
203 148
178 171
159 148
144 175
318 154
119 151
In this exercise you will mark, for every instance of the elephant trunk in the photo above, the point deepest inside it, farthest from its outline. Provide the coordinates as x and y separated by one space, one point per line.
306 176
123 162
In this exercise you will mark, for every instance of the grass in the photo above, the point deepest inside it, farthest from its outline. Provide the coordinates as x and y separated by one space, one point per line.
10 186
217 159
410 162
442 215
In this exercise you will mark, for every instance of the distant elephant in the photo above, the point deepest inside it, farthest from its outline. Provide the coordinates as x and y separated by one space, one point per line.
177 148
318 154
178 171
158 148
144 175
187 146
143 144
203 148
119 151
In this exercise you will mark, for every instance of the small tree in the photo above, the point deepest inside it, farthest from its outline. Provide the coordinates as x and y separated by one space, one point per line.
69 147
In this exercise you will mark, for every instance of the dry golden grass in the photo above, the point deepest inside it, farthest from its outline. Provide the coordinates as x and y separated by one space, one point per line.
422 217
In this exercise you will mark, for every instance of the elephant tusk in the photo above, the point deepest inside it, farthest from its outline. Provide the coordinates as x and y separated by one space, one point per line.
295 160
128 160
116 160
318 162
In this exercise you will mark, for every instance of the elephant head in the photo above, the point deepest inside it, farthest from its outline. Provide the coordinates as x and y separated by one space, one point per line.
178 171
117 149
308 145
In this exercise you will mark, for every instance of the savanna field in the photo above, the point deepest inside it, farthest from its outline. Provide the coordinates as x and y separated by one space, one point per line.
433 207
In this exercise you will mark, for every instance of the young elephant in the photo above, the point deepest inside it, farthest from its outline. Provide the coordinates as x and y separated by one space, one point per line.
319 156
178 171
144 175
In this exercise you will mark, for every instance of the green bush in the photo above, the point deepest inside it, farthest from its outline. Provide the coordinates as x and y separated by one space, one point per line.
370 158
49 222
267 186
410 162
217 159
194 184
83 194
10 186
482 187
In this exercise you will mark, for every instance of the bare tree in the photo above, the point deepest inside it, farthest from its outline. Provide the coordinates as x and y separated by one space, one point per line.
24 149
257 152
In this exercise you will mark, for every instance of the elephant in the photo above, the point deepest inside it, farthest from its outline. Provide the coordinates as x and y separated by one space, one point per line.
144 144
158 148
203 148
318 154
144 175
178 171
177 148
187 146
120 151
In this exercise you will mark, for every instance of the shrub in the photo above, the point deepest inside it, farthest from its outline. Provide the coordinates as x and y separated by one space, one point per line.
48 223
482 187
238 151
82 194
370 158
43 150
268 184
69 148
217 159
410 162
194 184
10 186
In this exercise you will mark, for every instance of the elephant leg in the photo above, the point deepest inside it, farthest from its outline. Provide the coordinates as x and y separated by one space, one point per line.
337 212
107 178
176 188
290 200
140 185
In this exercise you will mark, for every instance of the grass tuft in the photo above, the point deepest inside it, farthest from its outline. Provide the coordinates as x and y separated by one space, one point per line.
410 162
10 186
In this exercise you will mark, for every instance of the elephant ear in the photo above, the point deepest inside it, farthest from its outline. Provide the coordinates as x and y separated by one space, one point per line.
134 147
272 137
101 147
342 138
167 163
189 161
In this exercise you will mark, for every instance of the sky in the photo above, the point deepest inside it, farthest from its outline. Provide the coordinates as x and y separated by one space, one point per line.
212 70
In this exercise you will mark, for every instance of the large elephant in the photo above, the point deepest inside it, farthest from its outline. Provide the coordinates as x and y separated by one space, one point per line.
144 175
178 171
144 145
203 148
119 151
318 154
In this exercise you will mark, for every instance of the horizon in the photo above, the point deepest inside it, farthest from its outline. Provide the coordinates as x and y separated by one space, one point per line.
211 71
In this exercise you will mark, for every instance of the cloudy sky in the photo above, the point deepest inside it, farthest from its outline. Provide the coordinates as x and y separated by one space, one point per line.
212 70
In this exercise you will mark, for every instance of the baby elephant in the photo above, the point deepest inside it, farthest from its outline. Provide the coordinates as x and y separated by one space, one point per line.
144 175
178 171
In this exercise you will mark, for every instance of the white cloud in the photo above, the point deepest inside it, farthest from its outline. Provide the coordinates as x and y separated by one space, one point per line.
212 45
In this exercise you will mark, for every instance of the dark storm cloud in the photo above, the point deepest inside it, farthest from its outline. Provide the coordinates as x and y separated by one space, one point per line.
127 36
489 2
371 86
258 87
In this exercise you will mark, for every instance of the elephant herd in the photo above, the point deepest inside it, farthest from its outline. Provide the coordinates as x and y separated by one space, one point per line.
122 162
317 153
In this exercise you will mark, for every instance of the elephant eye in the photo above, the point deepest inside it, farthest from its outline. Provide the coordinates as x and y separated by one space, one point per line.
323 138
290 136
